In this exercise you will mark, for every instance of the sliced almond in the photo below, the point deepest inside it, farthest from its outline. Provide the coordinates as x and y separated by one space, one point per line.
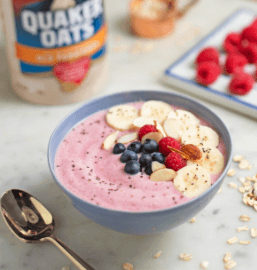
128 138
183 155
160 128
157 136
163 175
172 128
142 120
157 166
192 151
110 140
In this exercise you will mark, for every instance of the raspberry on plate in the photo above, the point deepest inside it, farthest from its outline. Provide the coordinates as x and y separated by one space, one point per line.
175 162
231 42
145 130
234 62
241 83
250 33
208 54
249 50
207 73
168 141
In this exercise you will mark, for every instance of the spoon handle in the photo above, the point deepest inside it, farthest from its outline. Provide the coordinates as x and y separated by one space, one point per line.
75 259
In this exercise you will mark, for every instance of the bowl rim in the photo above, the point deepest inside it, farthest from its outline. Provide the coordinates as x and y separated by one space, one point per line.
165 210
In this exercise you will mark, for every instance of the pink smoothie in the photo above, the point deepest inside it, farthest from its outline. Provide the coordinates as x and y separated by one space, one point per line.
97 175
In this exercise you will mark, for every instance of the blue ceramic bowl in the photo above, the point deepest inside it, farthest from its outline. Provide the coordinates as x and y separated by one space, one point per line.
140 223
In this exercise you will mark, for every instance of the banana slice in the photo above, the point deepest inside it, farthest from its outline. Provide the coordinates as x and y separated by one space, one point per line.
192 180
187 118
110 140
121 117
141 121
212 160
200 136
158 110
173 128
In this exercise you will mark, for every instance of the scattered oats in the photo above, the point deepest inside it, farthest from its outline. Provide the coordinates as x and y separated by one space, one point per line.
232 241
128 266
227 257
121 48
255 207
66 268
231 172
158 254
244 218
246 184
254 178
254 232
243 164
249 178
192 220
220 190
249 188
241 179
249 167
244 242
246 200
185 257
204 264
245 228
230 264
241 189
237 158
232 185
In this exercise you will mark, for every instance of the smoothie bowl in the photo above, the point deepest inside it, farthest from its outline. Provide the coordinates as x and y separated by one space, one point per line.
140 162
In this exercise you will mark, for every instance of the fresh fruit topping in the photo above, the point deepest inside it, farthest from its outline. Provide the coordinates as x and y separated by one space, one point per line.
212 160
183 155
175 162
168 141
157 136
150 146
231 42
156 109
145 130
132 167
157 156
234 62
207 73
241 84
192 180
128 138
142 121
249 33
186 118
148 169
192 151
163 175
200 136
121 117
157 166
160 128
110 140
145 159
135 147
128 155
249 50
208 54
118 148
173 128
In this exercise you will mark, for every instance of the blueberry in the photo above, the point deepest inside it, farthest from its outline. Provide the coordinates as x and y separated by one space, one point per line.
118 148
128 155
148 169
145 159
135 147
132 167
150 146
157 156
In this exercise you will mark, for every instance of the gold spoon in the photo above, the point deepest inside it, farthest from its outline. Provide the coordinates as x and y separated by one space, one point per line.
31 222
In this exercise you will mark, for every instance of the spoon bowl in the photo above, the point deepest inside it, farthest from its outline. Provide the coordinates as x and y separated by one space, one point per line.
31 222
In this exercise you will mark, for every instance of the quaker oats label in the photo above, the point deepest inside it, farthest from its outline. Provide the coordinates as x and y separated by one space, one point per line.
60 38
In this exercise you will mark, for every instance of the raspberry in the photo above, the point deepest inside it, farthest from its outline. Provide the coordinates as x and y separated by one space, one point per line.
250 33
208 54
231 42
241 83
175 162
145 130
249 50
254 23
235 61
168 141
207 73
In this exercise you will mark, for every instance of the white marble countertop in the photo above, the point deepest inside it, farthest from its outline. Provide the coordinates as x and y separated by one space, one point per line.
24 135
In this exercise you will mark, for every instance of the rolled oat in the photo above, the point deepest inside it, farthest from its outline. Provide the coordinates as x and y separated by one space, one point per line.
230 264
185 257
227 257
254 232
232 241
244 218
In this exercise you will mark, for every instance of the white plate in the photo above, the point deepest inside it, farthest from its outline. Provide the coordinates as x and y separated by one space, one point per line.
182 72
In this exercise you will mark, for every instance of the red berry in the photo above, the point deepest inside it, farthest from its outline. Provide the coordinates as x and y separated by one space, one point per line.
208 54
235 61
241 83
249 33
254 23
145 130
207 73
175 162
231 42
249 50
168 141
